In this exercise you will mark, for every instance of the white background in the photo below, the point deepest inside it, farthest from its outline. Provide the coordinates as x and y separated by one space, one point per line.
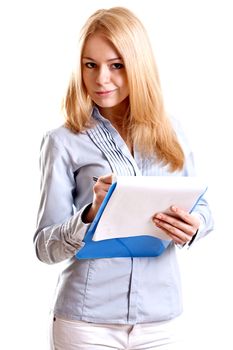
192 41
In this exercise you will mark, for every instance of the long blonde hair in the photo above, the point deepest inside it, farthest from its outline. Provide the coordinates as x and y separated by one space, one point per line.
149 127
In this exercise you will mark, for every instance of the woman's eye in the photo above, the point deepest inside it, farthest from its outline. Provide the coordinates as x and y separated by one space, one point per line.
117 65
90 65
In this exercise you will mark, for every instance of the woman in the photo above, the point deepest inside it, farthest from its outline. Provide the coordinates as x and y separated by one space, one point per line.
115 123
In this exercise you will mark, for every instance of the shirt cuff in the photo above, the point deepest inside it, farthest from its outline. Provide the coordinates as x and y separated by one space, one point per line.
78 228
199 231
196 235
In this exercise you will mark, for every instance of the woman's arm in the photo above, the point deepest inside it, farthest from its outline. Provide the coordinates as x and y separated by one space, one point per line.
60 230
184 227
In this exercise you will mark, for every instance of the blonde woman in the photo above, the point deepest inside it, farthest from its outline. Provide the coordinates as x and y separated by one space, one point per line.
115 123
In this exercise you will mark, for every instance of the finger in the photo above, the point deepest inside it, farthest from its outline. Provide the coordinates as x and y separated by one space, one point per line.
100 191
106 179
171 222
176 235
100 188
182 214
180 240
102 184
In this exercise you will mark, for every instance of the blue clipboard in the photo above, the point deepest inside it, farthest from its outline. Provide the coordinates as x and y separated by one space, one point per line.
138 246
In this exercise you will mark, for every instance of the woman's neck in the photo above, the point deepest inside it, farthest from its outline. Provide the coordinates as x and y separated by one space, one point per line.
118 117
117 114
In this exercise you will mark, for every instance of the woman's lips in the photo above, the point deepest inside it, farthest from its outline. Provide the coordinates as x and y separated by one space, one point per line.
104 93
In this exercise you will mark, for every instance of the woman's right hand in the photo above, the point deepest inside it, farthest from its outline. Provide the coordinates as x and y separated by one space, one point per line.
100 190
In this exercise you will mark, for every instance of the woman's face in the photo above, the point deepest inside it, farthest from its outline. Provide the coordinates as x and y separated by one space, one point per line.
104 75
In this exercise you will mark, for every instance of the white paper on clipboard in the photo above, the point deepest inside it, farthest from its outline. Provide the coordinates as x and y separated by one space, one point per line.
136 199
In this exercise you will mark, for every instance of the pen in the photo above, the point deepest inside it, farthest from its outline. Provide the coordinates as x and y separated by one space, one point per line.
95 178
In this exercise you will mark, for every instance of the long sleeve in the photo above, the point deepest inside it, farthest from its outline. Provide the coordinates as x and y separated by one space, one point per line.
60 229
202 209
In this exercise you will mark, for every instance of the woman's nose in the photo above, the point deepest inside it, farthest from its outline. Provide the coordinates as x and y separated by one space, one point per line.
103 75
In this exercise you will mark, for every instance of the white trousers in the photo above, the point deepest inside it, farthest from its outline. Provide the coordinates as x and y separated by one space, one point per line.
78 335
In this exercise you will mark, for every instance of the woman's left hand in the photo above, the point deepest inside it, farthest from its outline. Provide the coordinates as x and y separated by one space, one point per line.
181 227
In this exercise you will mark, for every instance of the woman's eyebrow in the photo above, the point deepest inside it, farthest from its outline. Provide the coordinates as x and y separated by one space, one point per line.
109 60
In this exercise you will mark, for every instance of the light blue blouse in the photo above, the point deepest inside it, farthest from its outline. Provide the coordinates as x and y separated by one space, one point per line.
117 290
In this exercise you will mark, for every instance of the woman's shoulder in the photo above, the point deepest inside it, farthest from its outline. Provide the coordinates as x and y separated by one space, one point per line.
180 133
176 123
62 135
61 132
63 140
